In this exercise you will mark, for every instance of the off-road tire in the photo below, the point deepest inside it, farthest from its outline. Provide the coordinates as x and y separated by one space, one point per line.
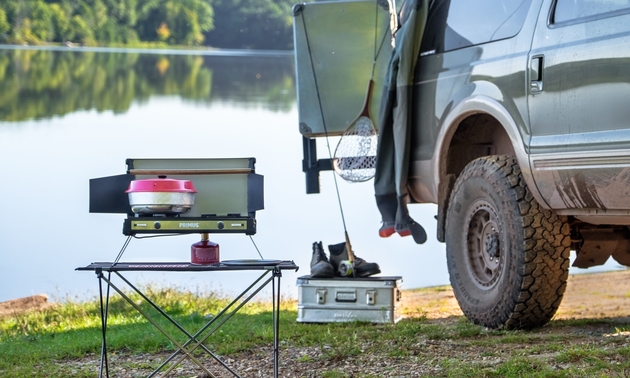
508 258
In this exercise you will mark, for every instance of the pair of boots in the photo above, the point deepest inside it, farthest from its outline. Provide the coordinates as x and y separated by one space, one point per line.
322 267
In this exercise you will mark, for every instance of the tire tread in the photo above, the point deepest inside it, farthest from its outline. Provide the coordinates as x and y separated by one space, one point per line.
541 280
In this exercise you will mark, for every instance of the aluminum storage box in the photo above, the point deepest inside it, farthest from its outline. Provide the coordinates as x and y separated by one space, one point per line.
342 299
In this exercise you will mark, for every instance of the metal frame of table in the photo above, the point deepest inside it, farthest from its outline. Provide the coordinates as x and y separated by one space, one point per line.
197 339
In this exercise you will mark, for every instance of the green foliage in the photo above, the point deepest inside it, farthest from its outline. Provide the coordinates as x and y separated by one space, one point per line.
260 24
72 330
186 21
60 23
38 344
4 23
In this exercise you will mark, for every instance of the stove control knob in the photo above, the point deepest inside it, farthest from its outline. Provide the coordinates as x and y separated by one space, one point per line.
157 225
220 225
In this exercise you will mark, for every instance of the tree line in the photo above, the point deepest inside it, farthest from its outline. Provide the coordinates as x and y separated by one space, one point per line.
237 24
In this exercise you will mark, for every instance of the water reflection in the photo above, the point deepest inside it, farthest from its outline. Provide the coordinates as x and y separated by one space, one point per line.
39 84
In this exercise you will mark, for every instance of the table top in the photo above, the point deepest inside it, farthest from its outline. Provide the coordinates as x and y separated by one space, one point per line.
227 265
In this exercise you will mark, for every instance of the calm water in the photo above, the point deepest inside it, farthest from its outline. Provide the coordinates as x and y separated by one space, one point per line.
67 116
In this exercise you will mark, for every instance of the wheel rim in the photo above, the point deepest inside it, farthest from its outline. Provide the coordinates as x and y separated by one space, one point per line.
484 250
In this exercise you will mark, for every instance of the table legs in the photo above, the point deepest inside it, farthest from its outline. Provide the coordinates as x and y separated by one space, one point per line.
185 350
104 311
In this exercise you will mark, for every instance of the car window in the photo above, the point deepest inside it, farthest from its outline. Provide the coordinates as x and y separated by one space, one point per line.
573 10
454 24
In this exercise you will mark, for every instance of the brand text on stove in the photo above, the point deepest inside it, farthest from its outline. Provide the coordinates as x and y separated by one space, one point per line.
189 225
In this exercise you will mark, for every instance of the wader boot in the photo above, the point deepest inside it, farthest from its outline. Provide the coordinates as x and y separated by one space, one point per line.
387 205
396 218
320 266
339 253
405 225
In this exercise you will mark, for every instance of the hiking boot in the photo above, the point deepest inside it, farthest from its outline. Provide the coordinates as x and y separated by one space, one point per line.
320 266
339 253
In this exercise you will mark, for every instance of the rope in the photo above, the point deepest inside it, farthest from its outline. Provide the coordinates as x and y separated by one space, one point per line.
321 111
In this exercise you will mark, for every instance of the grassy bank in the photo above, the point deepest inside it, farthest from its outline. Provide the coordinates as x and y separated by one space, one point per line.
65 341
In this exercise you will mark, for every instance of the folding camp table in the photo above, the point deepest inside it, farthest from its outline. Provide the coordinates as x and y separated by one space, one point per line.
271 272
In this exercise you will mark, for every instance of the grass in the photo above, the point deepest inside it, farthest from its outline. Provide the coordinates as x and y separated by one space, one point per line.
38 344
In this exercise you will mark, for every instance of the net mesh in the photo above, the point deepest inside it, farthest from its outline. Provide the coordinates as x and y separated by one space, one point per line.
355 156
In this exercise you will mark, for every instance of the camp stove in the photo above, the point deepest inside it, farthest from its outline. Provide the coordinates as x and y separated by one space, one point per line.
228 194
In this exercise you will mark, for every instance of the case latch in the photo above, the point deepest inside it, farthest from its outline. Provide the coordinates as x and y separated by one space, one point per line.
370 297
321 296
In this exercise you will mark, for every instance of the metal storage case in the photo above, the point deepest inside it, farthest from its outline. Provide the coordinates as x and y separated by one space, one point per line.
341 299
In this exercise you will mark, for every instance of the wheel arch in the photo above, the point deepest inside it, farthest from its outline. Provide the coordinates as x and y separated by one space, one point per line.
478 126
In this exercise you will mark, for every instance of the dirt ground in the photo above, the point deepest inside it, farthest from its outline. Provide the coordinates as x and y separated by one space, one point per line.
588 295
22 305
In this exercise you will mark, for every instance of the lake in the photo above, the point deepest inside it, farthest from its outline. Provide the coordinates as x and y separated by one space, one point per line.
68 115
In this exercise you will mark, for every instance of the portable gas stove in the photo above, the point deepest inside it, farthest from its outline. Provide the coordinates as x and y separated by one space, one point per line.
228 194
185 196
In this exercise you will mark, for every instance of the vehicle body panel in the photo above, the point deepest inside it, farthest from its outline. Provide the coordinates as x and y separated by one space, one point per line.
450 86
580 148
